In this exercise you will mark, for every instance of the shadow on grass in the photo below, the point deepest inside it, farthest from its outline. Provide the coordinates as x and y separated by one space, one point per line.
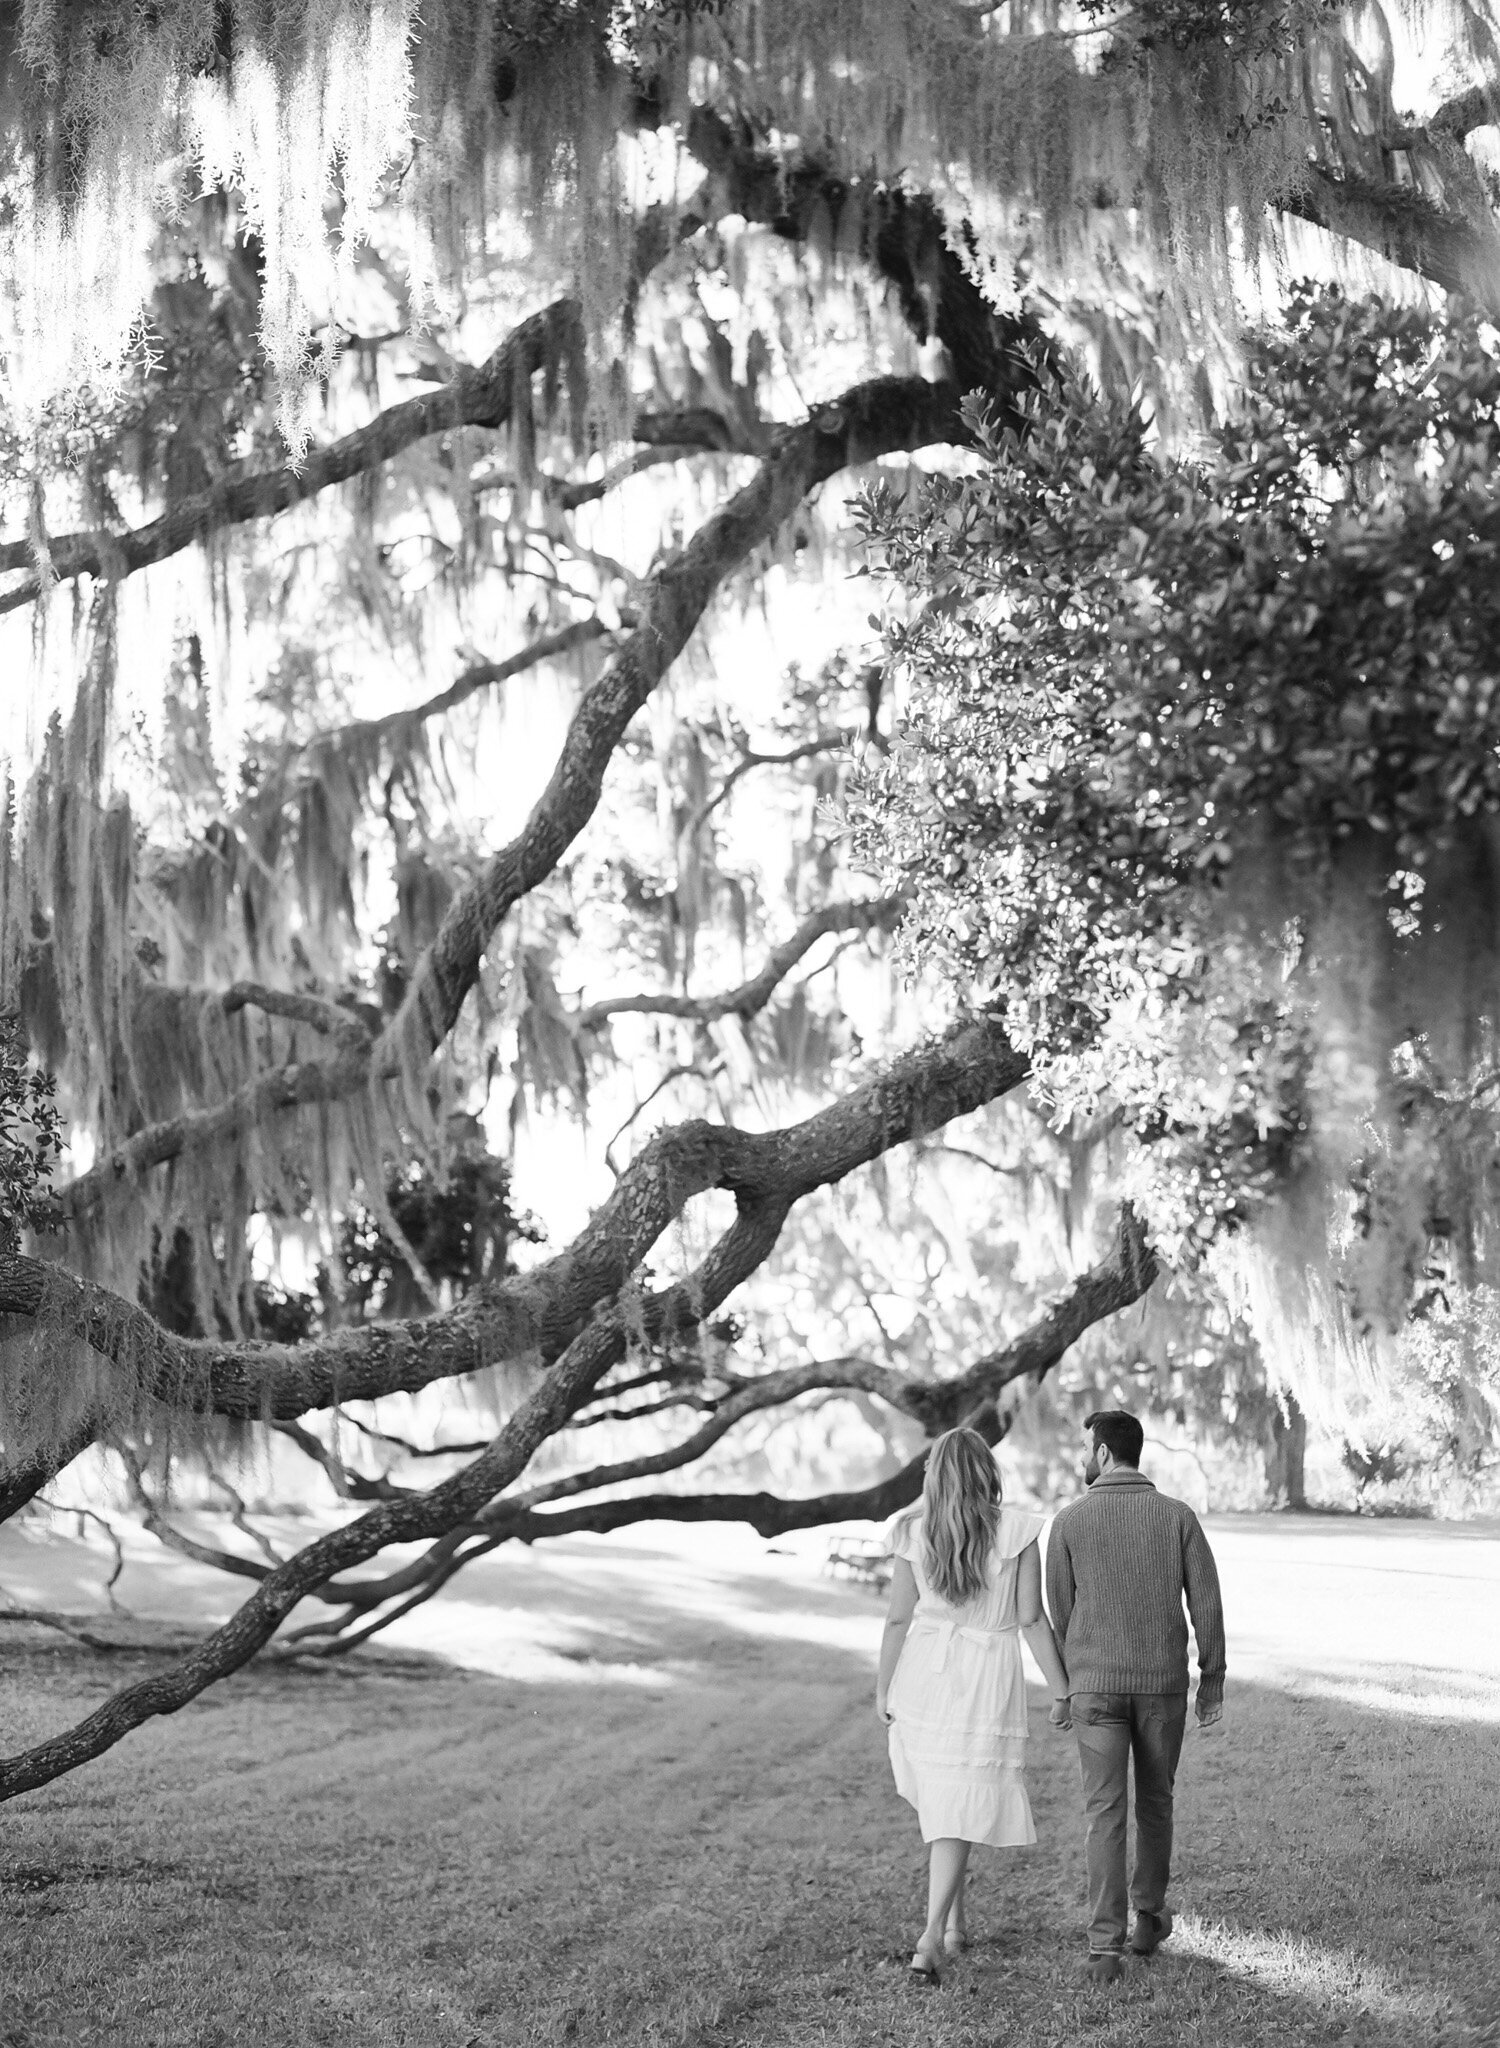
456 1861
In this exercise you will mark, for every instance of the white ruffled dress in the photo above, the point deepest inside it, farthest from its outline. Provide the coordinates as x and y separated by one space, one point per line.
958 1699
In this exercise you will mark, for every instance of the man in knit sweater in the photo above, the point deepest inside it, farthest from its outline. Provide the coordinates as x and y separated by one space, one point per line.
1119 1562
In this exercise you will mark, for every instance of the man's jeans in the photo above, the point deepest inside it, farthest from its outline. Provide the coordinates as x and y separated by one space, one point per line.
1111 1727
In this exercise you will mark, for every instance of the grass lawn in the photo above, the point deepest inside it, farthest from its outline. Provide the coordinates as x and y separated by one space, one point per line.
677 1827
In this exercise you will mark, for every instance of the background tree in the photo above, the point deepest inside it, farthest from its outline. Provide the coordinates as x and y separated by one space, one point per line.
285 902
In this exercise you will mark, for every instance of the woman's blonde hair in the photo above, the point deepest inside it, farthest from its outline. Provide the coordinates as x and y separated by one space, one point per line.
960 1514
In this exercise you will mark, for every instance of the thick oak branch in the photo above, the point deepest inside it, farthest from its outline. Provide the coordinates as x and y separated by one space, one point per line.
24 1480
1445 246
535 1315
736 1255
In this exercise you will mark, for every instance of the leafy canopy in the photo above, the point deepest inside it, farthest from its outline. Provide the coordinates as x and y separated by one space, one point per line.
1199 764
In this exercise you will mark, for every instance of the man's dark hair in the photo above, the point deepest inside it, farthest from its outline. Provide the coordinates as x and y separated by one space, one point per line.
1119 1432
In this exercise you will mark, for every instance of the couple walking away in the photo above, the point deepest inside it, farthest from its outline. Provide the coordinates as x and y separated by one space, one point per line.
967 1586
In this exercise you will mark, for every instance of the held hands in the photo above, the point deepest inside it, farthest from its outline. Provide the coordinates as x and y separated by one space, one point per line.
882 1712
1208 1711
1061 1715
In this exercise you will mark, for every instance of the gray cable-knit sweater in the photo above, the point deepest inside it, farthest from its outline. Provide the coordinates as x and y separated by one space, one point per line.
1118 1564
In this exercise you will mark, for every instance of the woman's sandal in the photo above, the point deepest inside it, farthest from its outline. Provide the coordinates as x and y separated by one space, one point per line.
924 1971
955 1941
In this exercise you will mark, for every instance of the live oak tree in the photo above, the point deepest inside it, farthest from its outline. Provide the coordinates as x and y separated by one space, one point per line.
668 224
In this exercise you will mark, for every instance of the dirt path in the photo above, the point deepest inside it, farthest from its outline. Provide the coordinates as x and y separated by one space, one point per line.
654 1809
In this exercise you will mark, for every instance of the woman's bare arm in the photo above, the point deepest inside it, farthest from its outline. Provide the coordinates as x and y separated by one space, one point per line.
1037 1630
903 1601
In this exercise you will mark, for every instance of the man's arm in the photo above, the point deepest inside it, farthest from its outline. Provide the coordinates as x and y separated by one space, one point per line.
1200 1578
1061 1586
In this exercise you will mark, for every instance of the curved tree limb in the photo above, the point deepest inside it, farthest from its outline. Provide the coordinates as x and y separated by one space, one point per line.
329 1020
751 996
736 1255
767 1390
435 1576
534 1315
167 1533
683 1398
1444 245
465 1449
874 419
902 234
278 1088
69 1625
483 396
977 1396
663 437
1122 1277
22 1482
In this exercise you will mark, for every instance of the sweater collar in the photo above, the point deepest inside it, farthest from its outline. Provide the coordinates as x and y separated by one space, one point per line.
1121 1475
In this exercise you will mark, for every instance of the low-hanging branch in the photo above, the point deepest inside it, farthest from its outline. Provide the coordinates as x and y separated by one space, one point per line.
972 1396
1124 1276
533 1316
165 1532
878 418
464 1510
751 996
599 1346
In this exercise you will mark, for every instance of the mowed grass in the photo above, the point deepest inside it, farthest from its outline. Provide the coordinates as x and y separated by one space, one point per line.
704 1850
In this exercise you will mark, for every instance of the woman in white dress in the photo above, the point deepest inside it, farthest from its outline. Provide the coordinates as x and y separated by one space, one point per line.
967 1586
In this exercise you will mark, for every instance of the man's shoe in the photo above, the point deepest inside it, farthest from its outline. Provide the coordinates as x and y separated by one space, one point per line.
1105 1966
1150 1931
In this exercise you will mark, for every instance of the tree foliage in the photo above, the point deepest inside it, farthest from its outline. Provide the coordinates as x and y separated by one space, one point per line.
31 1137
1198 780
